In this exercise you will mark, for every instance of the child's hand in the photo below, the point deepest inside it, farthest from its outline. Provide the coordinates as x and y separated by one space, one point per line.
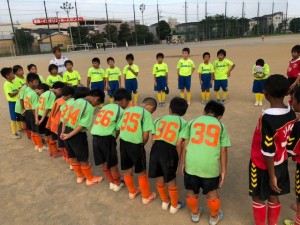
228 74
23 113
222 178
293 86
201 82
108 88
37 122
64 136
273 184
155 84
211 82
182 168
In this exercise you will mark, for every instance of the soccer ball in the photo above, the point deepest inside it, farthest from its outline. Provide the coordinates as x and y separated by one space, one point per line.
259 70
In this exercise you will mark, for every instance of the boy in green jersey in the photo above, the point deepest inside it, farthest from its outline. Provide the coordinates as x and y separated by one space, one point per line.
204 160
53 77
164 156
95 76
104 137
112 78
135 127
160 72
71 77
78 119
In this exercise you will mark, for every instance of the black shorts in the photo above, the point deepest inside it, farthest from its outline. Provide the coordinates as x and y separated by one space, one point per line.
259 181
60 143
297 182
54 136
42 127
194 183
133 155
20 117
163 161
105 150
30 121
291 81
77 146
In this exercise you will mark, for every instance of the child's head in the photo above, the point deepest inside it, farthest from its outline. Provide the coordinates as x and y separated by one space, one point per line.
18 70
149 104
53 69
122 97
276 87
81 92
96 97
221 54
214 109
178 106
129 58
111 61
32 68
260 62
7 73
160 57
96 62
295 51
185 53
57 88
67 92
69 65
206 56
42 88
57 52
33 80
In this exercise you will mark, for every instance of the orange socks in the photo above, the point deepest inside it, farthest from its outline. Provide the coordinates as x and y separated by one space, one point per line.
33 138
38 140
214 206
144 185
116 178
87 171
77 170
161 188
173 192
107 173
130 184
47 139
193 205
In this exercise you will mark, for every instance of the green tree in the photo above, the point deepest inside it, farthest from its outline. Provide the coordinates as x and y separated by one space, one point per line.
96 38
143 34
163 29
125 34
84 34
23 40
295 25
113 32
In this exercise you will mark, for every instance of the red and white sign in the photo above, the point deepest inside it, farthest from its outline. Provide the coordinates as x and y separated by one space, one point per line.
42 21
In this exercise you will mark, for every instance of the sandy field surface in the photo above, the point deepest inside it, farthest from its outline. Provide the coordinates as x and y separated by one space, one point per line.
36 189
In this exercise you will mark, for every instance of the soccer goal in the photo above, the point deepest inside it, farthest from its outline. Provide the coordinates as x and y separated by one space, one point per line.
78 47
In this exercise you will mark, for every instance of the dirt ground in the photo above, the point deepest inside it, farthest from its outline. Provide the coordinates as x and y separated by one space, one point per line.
36 189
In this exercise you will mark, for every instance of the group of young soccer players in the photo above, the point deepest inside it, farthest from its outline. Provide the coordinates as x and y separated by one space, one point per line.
60 112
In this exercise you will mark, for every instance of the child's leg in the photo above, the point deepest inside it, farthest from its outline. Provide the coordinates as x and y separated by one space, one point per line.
207 95
111 99
274 208
192 202
161 188
129 181
87 171
107 173
163 96
181 93
77 169
47 139
13 125
259 211
188 94
135 98
213 203
144 184
261 97
257 98
203 95
159 97
173 192
115 175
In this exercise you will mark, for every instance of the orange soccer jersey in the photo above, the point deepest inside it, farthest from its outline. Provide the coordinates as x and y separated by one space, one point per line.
54 118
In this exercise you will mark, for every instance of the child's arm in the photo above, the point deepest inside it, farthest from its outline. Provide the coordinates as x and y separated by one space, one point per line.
178 74
193 70
146 137
125 79
22 106
184 143
36 115
179 147
44 116
296 82
223 161
64 136
167 77
155 83
272 177
13 94
88 82
212 78
230 70
200 78
132 71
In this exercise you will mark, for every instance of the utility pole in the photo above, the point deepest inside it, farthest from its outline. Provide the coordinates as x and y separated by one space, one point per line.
272 25
158 33
185 18
142 9
78 24
107 21
258 23
12 26
48 24
243 17
206 33
197 20
286 15
136 42
67 6
225 28
58 24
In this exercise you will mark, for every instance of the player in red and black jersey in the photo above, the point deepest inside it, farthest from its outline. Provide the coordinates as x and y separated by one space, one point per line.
293 71
268 168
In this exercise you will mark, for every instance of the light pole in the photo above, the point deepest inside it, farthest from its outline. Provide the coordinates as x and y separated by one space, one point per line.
67 6
142 8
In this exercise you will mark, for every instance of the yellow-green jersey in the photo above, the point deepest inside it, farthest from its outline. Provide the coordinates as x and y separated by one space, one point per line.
19 82
31 99
185 67
71 78
51 79
261 71
128 74
168 128
113 74
222 68
160 70
46 101
9 88
96 74
20 96
206 69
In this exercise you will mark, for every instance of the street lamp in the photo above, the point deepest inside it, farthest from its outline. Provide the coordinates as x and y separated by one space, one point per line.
67 6
142 8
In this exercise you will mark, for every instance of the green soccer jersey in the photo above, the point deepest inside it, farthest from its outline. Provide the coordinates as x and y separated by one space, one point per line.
96 74
206 69
80 113
112 74
128 74
260 73
64 109
9 88
168 128
185 67
206 136
222 68
160 70
19 82
134 122
20 96
31 99
46 101
107 120
71 78
52 79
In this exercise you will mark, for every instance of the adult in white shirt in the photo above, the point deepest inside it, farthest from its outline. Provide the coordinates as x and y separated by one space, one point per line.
59 60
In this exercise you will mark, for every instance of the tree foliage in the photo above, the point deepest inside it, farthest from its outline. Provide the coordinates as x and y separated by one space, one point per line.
295 25
125 34
23 40
163 29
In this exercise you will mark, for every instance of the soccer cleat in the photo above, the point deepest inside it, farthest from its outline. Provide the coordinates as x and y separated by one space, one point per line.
212 221
95 180
174 210
111 186
41 150
256 104
71 167
159 104
117 188
57 154
163 104
196 217
165 205
223 102
80 180
151 197
218 100
203 102
260 104
189 102
36 147
137 192
16 136
288 222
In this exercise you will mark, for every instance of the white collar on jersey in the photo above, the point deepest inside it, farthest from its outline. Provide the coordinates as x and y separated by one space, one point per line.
295 60
276 111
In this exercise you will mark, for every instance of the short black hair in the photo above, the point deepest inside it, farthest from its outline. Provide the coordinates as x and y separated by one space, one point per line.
29 67
122 93
81 92
214 108
129 56
206 53
5 71
186 50
68 61
96 59
150 101
160 55
51 67
296 48
16 68
260 62
277 86
55 49
179 106
97 93
58 84
67 90
43 86
221 52
32 77
110 58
